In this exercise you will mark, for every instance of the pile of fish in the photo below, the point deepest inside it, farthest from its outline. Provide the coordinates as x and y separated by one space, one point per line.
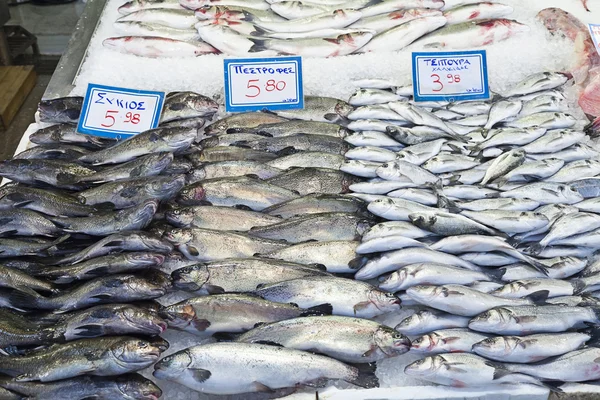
493 221
311 28
238 227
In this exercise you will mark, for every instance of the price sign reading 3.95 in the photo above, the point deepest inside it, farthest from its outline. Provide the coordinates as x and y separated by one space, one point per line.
450 76
119 113
267 83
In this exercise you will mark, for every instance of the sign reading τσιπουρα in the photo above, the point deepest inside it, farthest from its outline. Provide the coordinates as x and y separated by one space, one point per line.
254 84
450 76
119 113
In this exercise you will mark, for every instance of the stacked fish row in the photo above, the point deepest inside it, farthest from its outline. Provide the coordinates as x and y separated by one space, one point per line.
492 212
189 28
254 203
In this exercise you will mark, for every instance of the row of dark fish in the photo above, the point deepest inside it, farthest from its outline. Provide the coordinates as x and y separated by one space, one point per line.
491 230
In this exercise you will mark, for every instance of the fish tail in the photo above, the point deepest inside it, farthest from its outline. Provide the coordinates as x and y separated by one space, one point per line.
593 128
366 377
536 248
537 265
22 300
258 31
321 309
258 46
578 286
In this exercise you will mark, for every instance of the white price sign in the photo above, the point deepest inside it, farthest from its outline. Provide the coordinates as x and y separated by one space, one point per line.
595 32
450 76
119 113
255 84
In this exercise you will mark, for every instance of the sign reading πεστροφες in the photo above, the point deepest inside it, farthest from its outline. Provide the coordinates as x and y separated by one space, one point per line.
253 84
118 112
450 76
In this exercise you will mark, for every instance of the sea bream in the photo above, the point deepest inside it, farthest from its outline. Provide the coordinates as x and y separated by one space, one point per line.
388 6
477 11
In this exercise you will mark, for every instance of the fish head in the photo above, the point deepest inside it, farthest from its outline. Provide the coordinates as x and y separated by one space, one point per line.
358 95
143 287
165 188
135 351
179 138
136 387
180 217
343 109
159 162
390 341
192 194
425 343
179 236
180 315
129 7
204 105
196 175
145 212
425 293
66 109
495 345
143 320
175 366
394 279
158 278
424 367
150 242
384 300
496 318
570 194
14 168
149 259
422 220
191 278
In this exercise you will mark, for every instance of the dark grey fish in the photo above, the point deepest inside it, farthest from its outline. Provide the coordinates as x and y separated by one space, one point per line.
26 223
124 387
172 140
295 127
238 275
230 153
130 219
218 218
149 165
298 142
18 330
179 166
19 280
132 192
110 289
227 139
318 203
182 105
101 266
61 174
61 110
54 203
315 180
26 246
196 124
320 109
226 169
320 227
67 134
119 242
99 356
242 121
53 152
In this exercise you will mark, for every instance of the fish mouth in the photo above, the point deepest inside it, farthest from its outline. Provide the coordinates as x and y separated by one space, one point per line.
162 326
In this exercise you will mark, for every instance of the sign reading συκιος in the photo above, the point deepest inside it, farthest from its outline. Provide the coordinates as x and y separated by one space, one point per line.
450 76
119 113
254 84
595 32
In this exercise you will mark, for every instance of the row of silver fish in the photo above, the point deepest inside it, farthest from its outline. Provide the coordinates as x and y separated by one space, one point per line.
190 28
491 228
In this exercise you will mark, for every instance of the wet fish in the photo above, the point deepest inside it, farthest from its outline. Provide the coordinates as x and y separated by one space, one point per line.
196 4
337 19
532 170
544 103
242 121
500 204
306 159
320 109
579 151
314 180
387 244
396 209
317 203
67 134
26 246
230 153
395 228
346 339
238 275
399 37
575 169
182 105
63 152
238 191
525 287
26 223
477 11
231 313
568 225
429 320
136 28
544 193
60 174
298 142
384 22
365 97
218 218
149 165
393 5
61 110
207 245
137 5
152 141
446 224
509 221
402 170
455 340
172 18
348 297
372 138
158 47
537 83
289 128
48 202
338 256
209 368
532 348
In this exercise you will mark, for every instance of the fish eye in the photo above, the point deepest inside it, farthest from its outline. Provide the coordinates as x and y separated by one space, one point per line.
390 295
561 187
397 335
142 345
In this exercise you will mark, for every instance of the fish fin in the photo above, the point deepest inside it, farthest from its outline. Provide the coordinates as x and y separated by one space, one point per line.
320 267
258 31
128 192
366 375
287 151
23 300
372 3
535 248
242 207
331 117
370 352
493 195
25 289
356 263
25 378
258 45
553 386
451 339
363 305
89 331
100 297
263 388
226 336
539 297
321 309
98 272
64 178
115 243
455 149
578 285
214 289
5 220
201 324
259 324
18 199
538 265
199 374
525 319
500 373
268 343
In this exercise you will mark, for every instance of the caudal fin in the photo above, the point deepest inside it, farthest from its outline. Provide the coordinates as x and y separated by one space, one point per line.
321 309
366 376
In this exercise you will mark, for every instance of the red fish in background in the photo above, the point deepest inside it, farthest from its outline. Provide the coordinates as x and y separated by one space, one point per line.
587 71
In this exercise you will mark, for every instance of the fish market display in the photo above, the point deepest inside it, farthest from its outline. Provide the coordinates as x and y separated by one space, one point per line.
490 231
192 28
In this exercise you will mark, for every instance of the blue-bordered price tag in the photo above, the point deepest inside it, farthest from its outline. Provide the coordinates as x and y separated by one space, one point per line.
450 76
119 113
254 84
595 32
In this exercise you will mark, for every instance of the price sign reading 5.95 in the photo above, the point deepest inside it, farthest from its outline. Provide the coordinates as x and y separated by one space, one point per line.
263 83
450 76
119 113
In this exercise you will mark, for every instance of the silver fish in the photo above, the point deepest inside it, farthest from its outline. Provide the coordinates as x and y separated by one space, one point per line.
365 97
500 204
477 11
317 203
544 193
430 273
305 159
575 169
537 83
218 218
509 221
525 287
396 209
395 228
455 340
547 120
429 320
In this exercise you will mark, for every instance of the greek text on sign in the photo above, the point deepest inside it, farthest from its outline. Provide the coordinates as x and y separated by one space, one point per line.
450 76
255 84
119 113
595 32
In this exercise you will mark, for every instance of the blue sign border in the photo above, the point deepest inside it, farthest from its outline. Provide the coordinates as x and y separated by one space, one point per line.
458 97
594 36
111 133
262 106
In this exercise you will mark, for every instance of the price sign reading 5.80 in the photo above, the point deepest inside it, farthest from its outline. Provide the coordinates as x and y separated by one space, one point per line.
450 76
119 113
267 83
